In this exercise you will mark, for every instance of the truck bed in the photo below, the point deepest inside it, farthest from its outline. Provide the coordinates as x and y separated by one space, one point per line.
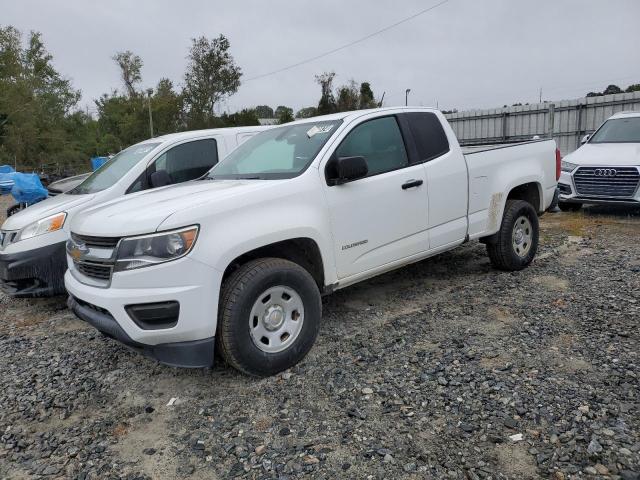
471 149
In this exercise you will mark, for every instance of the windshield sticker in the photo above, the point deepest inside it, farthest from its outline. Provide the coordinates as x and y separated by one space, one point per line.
316 129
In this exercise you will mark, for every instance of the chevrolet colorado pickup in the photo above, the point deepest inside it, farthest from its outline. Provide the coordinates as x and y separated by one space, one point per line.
238 260
605 170
32 241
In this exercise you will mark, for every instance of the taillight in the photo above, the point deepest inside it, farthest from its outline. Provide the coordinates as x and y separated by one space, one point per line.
558 164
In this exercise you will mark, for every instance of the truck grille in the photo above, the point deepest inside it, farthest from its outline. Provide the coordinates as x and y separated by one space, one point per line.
94 270
607 181
7 237
103 242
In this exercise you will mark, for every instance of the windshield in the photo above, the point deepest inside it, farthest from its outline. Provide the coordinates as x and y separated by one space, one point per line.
618 130
282 152
114 169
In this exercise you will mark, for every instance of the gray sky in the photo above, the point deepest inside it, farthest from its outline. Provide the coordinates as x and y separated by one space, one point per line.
464 54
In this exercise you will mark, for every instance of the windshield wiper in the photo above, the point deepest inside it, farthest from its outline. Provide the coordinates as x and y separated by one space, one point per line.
246 177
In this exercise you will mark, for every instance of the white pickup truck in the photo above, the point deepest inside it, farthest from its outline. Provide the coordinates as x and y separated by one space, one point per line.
32 241
238 260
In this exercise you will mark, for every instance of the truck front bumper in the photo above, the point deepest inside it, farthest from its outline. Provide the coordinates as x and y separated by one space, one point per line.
168 311
34 273
192 354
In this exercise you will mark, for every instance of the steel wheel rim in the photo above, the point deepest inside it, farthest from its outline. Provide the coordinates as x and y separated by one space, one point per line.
522 236
276 319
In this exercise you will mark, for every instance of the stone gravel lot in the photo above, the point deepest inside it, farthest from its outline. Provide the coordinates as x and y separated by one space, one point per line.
444 369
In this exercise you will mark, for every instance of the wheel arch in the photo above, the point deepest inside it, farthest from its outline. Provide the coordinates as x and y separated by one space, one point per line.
303 251
529 192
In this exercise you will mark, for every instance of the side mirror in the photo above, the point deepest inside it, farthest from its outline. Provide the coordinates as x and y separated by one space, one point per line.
346 169
160 178
585 139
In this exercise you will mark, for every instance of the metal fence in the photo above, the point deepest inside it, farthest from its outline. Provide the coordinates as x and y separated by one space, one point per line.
567 121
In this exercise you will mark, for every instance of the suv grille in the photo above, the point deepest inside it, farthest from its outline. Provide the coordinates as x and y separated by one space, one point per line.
104 242
607 181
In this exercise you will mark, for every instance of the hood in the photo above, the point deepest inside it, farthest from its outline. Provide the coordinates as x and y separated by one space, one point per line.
50 206
143 212
67 184
606 154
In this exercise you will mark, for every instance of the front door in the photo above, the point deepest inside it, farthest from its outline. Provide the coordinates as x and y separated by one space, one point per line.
383 217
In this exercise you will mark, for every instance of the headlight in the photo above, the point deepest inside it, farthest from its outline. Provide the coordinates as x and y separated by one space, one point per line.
568 166
46 225
147 250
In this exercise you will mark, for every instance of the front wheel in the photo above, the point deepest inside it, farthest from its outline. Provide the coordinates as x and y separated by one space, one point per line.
569 206
269 316
516 242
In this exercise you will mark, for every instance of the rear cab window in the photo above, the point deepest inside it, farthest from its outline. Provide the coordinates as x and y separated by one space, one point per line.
428 135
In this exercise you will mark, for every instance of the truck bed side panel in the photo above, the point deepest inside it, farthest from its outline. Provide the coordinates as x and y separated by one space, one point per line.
494 173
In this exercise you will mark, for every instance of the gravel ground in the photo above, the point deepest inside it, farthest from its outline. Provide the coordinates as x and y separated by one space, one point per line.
444 369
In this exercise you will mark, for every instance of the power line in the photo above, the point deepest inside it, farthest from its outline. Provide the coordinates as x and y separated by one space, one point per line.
350 44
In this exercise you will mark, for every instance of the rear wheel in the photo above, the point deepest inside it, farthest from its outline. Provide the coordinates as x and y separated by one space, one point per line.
516 242
569 206
269 316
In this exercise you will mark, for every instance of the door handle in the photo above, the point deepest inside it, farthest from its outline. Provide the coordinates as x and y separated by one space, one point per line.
411 184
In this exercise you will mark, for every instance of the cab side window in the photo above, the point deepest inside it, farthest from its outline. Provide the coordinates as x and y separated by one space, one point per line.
188 161
428 134
380 142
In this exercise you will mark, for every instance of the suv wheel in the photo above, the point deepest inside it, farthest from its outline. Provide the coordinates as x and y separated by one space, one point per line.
269 316
516 242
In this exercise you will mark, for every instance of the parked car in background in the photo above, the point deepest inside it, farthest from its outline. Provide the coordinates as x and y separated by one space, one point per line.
66 184
605 170
241 256
32 242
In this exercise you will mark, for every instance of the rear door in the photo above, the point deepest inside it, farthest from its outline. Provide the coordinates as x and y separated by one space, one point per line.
446 174
381 218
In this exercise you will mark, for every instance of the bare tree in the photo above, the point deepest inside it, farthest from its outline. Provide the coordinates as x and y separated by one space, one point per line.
130 66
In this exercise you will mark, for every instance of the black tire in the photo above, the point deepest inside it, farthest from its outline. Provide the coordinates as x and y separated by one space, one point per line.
13 209
239 294
501 250
569 207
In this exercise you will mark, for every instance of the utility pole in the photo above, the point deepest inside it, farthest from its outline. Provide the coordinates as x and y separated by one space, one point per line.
149 92
406 96
540 99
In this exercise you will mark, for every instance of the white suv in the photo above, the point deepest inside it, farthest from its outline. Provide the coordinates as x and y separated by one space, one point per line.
606 169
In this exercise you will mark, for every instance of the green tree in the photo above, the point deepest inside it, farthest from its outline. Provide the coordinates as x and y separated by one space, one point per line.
211 76
264 111
367 99
307 112
633 88
35 103
166 107
348 97
284 114
611 89
243 118
327 103
130 67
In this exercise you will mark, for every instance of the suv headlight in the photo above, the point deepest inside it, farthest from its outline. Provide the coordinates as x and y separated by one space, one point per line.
45 225
147 250
568 166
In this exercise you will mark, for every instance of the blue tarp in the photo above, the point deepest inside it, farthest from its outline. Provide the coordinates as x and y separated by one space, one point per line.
97 162
27 188
6 179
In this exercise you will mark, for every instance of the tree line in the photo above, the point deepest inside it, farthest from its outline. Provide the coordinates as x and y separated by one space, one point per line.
44 128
